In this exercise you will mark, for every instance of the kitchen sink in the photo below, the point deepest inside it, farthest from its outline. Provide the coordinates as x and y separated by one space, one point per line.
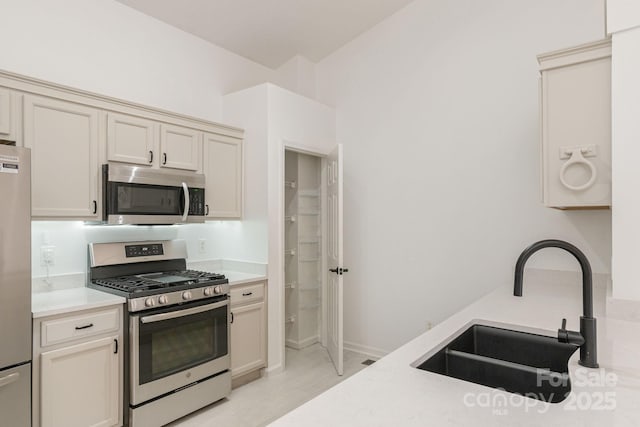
528 364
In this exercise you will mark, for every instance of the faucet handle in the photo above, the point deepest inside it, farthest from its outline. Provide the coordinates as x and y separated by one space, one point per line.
563 335
569 337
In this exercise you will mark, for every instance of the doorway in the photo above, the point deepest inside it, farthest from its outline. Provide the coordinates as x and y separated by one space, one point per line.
304 248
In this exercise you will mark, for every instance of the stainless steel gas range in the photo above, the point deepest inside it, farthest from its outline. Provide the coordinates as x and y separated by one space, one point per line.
176 327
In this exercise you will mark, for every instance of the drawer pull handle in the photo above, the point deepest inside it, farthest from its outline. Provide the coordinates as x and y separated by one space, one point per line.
247 294
78 328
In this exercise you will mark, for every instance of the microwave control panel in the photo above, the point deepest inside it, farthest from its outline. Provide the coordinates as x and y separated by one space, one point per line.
196 201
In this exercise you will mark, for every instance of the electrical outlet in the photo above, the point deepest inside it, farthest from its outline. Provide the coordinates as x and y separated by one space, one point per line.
202 246
47 255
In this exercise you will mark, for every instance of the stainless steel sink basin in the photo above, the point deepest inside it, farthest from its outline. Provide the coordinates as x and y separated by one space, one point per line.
532 365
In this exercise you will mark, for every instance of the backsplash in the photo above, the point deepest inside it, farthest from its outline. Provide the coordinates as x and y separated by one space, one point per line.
240 240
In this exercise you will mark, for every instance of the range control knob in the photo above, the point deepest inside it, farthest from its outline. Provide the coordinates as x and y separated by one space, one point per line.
208 291
217 289
149 302
186 295
162 299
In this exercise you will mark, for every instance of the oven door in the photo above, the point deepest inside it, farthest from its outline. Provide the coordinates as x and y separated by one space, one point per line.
177 346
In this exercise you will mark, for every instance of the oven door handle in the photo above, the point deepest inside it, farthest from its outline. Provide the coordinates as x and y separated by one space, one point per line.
181 313
187 198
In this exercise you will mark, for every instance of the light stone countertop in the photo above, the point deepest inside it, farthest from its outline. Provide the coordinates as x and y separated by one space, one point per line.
239 278
67 293
393 393
62 301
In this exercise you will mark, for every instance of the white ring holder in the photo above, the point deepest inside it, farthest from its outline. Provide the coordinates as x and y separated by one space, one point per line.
576 157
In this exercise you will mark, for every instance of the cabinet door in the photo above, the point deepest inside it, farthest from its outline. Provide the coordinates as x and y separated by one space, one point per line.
5 114
180 147
576 126
79 385
223 172
248 338
131 139
63 138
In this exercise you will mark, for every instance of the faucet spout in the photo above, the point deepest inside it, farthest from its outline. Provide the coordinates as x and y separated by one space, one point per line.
588 356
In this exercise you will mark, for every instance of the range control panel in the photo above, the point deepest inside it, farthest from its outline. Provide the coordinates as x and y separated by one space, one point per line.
143 250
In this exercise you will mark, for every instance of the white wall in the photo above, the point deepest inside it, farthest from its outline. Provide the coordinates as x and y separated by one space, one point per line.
274 118
437 108
298 75
108 48
624 21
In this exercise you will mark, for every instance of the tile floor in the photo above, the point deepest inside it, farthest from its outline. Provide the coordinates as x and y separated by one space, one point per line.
309 372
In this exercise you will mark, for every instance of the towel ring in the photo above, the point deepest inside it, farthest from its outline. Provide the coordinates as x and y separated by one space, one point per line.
575 158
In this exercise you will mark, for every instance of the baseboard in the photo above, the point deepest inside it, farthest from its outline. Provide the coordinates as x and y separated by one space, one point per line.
298 345
272 370
372 352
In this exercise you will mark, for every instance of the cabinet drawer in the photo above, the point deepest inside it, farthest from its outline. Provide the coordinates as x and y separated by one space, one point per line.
74 327
247 294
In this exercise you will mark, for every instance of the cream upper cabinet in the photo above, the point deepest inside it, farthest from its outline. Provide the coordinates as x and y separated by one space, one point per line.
131 140
223 170
576 126
6 123
9 113
63 138
180 147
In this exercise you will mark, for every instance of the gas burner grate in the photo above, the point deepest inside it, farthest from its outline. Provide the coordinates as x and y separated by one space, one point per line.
136 284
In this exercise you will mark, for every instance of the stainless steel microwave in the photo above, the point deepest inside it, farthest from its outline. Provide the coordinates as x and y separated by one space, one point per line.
140 195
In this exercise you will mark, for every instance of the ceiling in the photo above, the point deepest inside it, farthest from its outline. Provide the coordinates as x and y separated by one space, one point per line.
271 32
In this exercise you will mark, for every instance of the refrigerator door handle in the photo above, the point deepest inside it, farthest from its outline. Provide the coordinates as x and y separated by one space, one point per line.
11 378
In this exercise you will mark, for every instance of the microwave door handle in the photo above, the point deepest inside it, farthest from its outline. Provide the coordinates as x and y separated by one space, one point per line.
185 214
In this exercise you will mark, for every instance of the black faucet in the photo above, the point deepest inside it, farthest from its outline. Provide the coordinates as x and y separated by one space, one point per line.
586 338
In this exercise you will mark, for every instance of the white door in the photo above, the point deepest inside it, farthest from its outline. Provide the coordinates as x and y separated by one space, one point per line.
334 258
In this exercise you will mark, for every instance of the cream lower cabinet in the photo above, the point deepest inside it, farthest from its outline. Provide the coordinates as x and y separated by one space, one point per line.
79 385
248 329
222 167
63 138
77 369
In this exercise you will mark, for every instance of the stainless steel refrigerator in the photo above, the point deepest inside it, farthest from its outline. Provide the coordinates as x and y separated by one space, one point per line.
15 286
